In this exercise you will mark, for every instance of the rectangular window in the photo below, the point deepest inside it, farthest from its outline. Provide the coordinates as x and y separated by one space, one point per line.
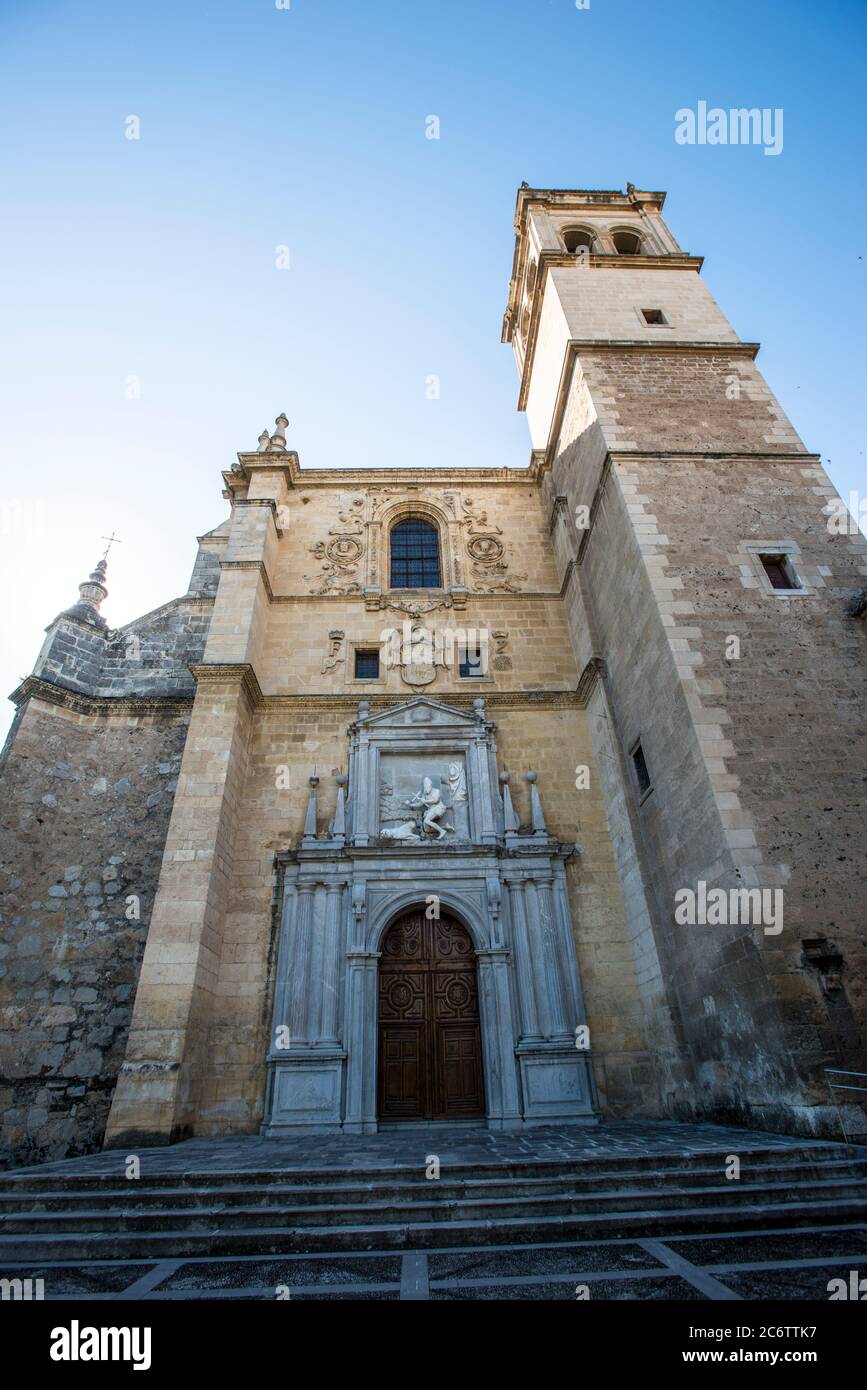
367 665
471 663
654 316
642 776
780 571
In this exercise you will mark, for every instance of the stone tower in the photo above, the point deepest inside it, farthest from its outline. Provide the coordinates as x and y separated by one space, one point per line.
714 608
568 707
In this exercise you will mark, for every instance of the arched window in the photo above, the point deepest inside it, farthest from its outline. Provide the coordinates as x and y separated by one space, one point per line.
415 555
627 243
577 239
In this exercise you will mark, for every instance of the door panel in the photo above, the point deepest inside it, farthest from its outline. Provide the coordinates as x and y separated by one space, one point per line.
430 1053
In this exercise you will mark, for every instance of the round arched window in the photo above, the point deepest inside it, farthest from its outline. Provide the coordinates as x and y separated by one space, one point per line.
577 239
415 555
627 243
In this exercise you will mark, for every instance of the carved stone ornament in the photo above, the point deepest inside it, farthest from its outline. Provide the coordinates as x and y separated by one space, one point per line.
501 661
476 521
335 651
341 554
424 660
428 808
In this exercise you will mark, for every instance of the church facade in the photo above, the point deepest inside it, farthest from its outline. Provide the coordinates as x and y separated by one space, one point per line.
491 795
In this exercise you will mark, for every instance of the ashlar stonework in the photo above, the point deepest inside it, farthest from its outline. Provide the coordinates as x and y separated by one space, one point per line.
641 672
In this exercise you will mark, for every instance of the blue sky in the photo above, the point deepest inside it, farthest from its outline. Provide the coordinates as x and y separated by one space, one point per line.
305 128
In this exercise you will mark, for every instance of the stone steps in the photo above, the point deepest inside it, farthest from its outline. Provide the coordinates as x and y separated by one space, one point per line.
431 1207
417 1234
280 1193
85 1212
58 1175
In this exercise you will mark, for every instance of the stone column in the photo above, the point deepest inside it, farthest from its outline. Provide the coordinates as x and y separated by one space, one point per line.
539 968
360 1040
481 792
523 963
498 1040
299 966
560 1024
328 1024
284 961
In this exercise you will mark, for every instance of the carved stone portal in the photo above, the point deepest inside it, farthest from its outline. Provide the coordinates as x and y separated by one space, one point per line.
425 829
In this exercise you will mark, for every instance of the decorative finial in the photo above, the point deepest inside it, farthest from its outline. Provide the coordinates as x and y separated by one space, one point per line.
278 438
92 594
309 836
264 442
537 815
510 820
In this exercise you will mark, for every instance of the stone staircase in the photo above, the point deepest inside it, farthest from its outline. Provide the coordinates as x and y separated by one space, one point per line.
66 1213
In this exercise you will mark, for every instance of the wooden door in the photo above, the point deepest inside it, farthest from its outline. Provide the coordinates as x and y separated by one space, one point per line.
430 1048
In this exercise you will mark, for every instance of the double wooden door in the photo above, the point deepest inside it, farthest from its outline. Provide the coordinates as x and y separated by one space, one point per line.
430 1050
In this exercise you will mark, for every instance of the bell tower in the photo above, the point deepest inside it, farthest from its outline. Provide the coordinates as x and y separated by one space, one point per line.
715 615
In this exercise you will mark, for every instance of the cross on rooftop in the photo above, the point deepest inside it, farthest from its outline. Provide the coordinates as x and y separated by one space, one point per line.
111 539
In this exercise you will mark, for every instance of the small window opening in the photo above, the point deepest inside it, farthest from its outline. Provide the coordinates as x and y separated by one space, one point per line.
780 571
367 665
642 776
654 316
471 663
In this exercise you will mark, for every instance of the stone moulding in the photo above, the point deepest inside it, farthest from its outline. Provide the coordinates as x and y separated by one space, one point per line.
594 671
168 706
80 702
231 673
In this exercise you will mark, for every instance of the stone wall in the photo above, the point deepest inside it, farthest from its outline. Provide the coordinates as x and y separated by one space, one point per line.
83 816
754 760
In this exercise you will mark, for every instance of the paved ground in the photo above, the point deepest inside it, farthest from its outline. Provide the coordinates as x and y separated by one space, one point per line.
768 1262
408 1147
764 1265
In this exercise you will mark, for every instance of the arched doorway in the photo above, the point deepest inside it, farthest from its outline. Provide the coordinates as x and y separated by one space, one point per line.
430 1049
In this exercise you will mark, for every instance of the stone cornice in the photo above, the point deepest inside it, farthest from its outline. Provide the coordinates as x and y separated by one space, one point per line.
502 699
241 673
594 671
230 673
339 477
251 565
727 345
731 347
471 596
120 706
576 345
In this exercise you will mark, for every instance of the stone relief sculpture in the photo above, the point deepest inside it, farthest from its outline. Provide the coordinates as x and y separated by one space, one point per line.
424 659
341 554
435 808
428 806
476 522
335 650
350 518
488 554
457 782
501 660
